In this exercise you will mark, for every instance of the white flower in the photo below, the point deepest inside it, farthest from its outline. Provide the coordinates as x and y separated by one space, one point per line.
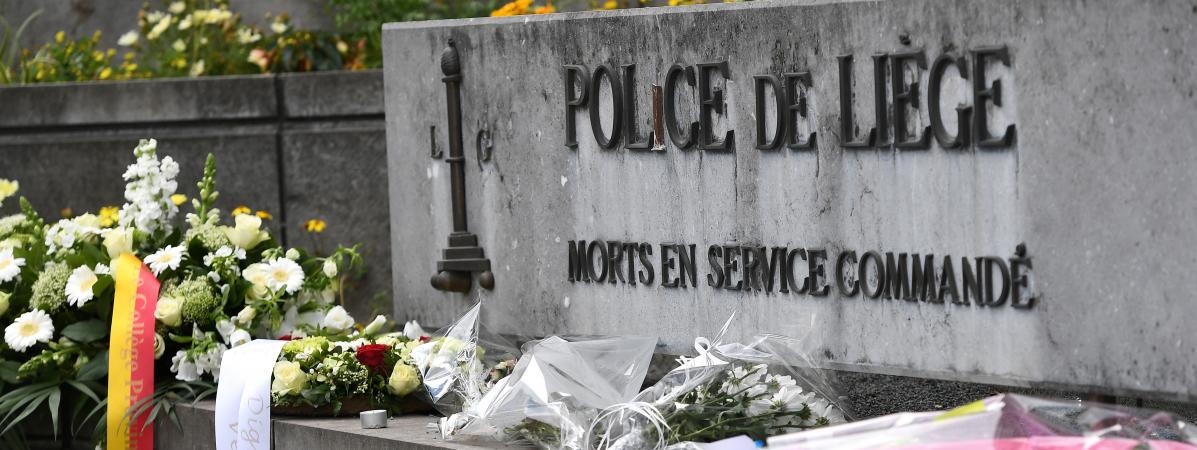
376 325
209 362
179 45
198 68
159 28
350 346
169 311
239 337
412 330
284 274
128 39
185 24
245 233
248 36
177 7
65 233
10 267
330 268
118 241
78 288
338 319
103 269
183 367
743 377
278 27
150 183
225 328
29 329
292 254
246 316
154 16
159 346
168 258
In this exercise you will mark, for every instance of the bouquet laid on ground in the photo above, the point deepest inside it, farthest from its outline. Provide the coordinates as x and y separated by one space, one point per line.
315 375
224 281
1007 422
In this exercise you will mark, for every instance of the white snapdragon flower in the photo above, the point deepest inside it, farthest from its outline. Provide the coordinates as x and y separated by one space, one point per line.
63 235
209 362
150 183
10 267
239 337
183 367
330 268
284 274
78 288
103 269
337 319
168 258
29 329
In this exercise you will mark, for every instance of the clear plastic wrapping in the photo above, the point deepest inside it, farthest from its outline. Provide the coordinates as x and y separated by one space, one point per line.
1006 422
763 388
459 363
556 389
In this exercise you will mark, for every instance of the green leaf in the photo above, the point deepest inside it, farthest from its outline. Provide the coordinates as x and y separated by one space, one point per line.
86 331
8 371
55 400
95 369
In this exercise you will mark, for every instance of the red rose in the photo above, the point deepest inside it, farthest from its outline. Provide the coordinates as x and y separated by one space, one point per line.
371 355
285 337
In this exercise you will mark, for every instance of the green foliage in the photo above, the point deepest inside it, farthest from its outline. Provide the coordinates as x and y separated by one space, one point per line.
8 51
67 60
363 19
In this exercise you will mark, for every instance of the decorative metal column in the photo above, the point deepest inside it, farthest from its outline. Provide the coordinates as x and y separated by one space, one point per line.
463 257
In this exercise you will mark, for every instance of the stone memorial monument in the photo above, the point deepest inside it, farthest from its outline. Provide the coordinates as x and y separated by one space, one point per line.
993 192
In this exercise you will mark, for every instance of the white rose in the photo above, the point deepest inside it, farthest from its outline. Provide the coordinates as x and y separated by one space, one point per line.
338 319
246 315
4 302
169 312
288 378
118 241
246 232
404 379
376 325
159 346
330 268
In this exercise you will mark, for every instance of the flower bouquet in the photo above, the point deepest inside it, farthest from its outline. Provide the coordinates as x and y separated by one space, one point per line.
221 285
316 376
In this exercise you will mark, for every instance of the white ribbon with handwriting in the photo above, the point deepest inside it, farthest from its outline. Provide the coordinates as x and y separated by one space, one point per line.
243 396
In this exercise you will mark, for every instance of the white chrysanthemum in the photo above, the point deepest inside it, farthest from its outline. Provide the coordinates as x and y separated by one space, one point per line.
29 329
150 183
284 274
168 258
10 267
78 288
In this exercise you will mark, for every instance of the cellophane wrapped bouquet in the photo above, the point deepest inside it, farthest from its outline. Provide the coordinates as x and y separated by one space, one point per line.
1007 422
224 280
761 389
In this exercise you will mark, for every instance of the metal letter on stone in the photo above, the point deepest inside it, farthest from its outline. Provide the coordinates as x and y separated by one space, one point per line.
463 257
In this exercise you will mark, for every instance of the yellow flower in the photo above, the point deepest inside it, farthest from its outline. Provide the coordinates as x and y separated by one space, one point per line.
59 37
514 8
264 215
546 9
109 215
106 73
314 226
610 4
178 199
8 188
241 210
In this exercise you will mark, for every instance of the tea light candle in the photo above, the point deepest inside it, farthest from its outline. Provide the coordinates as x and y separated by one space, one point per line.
374 419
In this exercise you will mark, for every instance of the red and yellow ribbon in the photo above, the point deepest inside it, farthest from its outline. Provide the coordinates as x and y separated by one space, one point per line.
131 354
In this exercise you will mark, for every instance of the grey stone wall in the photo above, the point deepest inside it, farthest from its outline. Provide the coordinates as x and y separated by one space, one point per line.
299 146
1097 183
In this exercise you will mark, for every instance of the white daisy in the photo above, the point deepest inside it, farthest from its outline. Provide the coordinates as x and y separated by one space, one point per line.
78 288
29 329
168 258
9 267
285 274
